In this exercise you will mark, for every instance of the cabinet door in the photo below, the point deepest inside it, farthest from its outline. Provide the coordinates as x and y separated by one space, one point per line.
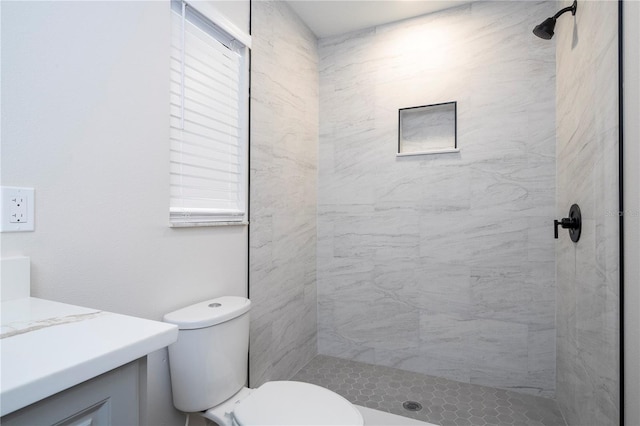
109 399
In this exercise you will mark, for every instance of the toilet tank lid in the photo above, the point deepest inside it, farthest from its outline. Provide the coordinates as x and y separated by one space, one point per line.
208 313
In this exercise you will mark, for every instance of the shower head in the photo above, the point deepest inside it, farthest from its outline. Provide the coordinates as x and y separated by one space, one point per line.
545 29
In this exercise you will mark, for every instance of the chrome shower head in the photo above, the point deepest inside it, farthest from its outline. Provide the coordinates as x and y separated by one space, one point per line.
545 29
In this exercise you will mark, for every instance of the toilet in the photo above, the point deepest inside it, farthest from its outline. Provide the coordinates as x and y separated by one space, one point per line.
208 365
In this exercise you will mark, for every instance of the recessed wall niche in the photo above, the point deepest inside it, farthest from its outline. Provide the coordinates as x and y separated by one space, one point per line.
427 129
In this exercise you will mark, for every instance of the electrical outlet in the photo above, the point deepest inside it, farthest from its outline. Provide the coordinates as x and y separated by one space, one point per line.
17 210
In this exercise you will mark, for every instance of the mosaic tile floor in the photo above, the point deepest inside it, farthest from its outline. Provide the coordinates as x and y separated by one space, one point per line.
444 402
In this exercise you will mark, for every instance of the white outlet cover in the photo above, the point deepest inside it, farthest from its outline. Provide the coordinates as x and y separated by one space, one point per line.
9 193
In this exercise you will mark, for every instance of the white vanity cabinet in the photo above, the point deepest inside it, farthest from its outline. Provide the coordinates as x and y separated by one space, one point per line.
109 399
68 365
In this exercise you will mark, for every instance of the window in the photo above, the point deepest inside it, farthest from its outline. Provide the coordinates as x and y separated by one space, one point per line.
209 121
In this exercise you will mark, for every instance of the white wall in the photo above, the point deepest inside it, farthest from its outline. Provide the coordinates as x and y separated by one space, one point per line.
632 210
236 12
85 108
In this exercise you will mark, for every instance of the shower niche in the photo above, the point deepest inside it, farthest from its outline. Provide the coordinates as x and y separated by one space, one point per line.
427 129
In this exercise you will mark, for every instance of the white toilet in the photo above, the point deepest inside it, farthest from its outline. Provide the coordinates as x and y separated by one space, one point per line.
208 367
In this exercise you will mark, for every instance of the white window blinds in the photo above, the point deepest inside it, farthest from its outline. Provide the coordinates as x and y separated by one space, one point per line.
209 112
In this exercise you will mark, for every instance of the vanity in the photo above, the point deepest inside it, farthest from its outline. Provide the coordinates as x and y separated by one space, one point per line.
69 365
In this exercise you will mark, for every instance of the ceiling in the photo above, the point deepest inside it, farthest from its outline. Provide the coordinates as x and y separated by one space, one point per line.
332 17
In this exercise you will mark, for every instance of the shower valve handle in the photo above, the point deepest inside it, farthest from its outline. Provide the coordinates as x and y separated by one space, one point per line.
573 223
566 223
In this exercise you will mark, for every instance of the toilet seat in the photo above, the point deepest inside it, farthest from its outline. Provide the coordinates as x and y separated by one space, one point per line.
295 403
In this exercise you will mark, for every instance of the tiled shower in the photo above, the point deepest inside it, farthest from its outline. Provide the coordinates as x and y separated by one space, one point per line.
443 264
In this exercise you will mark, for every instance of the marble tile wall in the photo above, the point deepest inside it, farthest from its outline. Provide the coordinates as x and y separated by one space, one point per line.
587 271
441 264
282 242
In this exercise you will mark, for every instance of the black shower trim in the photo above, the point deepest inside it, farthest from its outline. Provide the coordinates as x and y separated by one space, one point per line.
621 200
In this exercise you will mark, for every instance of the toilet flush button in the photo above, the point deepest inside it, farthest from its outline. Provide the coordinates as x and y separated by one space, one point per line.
215 305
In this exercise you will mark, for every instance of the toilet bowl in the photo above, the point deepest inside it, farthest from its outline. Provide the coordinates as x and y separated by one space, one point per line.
208 365
285 403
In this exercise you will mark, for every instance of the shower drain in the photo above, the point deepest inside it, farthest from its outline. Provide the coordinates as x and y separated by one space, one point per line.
412 406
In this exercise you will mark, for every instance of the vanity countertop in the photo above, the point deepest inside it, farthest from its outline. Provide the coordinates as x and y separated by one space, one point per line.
47 347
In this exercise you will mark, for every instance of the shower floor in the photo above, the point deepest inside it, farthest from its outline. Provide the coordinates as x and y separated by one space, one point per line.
445 402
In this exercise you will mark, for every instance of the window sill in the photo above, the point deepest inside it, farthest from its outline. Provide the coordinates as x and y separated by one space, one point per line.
205 224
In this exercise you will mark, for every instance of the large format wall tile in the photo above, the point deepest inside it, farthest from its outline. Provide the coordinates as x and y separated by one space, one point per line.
284 141
441 264
587 271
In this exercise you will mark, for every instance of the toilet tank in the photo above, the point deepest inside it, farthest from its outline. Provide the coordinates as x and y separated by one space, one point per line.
208 362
